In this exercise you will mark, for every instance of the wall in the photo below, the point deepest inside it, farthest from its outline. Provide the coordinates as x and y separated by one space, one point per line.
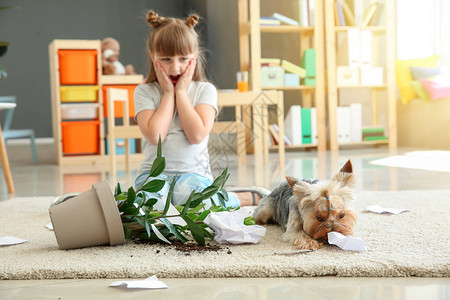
31 29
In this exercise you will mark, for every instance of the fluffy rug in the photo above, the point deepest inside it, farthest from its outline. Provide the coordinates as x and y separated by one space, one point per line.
415 243
434 160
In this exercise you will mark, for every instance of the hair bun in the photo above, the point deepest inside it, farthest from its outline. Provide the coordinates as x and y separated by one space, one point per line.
192 20
153 19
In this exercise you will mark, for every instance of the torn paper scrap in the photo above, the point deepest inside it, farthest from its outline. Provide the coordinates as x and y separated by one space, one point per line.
382 210
10 240
49 226
150 283
230 228
346 242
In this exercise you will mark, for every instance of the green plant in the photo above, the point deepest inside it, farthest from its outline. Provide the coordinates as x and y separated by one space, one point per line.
141 221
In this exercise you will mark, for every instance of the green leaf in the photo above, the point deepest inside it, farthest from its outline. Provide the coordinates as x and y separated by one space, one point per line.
173 230
131 210
196 209
169 195
203 215
118 190
210 191
120 197
188 202
127 231
151 202
249 221
159 151
207 233
154 186
147 228
131 195
196 231
158 166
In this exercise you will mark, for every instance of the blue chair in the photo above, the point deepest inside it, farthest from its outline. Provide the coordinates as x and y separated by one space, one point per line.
16 133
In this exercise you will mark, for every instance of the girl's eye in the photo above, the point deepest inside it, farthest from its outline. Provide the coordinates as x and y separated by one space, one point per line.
184 59
165 59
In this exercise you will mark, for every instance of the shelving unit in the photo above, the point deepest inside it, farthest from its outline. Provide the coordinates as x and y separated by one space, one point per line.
75 154
250 32
384 31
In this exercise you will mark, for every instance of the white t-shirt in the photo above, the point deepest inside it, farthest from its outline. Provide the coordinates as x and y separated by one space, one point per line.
181 156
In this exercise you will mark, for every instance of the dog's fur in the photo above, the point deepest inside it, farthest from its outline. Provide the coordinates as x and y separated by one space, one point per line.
302 208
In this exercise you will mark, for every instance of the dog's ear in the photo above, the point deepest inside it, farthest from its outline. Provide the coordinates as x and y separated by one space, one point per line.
345 175
291 181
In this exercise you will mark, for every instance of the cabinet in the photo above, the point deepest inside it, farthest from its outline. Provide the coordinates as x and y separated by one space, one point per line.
250 35
78 96
374 43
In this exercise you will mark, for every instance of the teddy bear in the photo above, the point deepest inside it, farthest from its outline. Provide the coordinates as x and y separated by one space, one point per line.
110 59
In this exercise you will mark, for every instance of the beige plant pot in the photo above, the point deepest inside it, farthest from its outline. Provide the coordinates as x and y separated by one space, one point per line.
88 219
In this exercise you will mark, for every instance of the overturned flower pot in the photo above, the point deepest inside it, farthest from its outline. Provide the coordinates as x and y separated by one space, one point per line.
88 219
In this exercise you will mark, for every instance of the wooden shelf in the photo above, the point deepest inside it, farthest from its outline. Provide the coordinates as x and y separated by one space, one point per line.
250 35
383 56
286 29
289 88
122 79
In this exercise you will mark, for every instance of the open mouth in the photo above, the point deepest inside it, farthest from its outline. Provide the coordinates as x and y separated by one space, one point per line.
174 79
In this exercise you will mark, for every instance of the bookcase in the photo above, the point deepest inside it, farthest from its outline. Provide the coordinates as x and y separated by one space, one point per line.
250 35
78 97
360 56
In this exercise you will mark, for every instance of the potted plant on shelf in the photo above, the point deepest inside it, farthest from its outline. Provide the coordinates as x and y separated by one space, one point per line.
4 46
96 217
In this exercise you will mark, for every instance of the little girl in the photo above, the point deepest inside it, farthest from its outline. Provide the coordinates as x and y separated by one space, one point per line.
178 104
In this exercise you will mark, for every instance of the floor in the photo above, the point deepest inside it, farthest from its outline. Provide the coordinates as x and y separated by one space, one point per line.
48 179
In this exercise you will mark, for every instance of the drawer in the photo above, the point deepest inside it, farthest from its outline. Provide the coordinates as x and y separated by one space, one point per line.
79 111
347 76
77 66
272 76
120 146
80 137
118 106
88 93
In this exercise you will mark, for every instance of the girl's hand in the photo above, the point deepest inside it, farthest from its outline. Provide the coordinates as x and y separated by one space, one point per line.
163 79
185 79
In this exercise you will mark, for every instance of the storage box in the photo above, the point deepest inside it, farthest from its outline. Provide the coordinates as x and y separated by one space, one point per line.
80 137
79 111
291 79
83 93
371 75
78 66
272 76
347 76
118 106
120 146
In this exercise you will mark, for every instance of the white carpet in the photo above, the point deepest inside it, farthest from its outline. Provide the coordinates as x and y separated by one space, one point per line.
423 160
415 243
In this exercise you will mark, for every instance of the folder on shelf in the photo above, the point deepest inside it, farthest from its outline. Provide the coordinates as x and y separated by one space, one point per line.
303 12
285 20
291 68
269 21
340 12
287 141
311 12
271 62
348 14
365 42
314 126
358 9
354 50
343 124
370 13
306 126
293 125
355 122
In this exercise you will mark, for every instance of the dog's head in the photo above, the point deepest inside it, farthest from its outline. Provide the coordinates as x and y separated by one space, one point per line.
325 206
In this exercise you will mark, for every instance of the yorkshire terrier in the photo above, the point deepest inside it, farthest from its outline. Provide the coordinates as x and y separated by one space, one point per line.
309 209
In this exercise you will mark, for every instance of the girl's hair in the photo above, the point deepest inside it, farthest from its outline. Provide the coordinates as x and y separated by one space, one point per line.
171 36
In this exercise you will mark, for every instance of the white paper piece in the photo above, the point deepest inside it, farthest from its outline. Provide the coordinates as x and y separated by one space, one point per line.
49 226
381 210
10 240
230 227
150 283
159 234
175 220
346 242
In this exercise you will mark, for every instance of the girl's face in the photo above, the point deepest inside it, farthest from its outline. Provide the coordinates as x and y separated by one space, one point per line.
173 66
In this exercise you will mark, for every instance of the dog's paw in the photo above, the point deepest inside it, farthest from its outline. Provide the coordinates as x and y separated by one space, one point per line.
307 244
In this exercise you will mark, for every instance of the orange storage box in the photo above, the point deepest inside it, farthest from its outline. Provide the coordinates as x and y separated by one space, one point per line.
80 137
118 106
78 66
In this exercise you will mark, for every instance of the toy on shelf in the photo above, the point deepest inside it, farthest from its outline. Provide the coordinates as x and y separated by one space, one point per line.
110 59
